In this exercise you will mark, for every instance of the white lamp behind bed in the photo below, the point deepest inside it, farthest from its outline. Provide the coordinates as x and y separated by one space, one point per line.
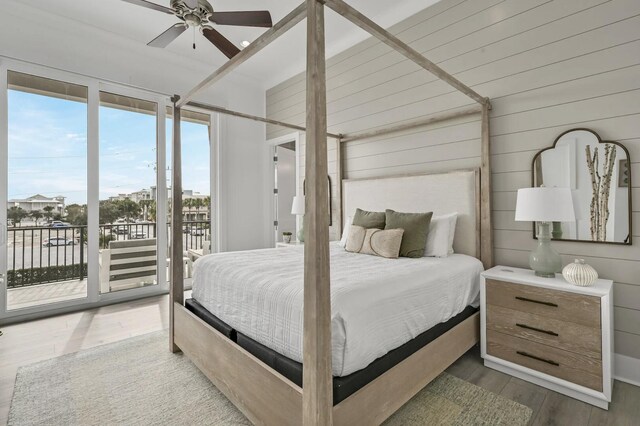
297 208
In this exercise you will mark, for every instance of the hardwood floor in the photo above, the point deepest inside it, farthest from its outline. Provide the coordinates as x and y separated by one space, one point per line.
549 407
34 341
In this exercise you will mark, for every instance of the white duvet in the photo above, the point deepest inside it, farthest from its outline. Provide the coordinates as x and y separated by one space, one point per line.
377 304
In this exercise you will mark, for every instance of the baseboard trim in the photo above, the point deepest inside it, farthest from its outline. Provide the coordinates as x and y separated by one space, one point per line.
626 369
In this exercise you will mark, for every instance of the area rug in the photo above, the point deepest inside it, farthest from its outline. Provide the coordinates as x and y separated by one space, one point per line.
139 382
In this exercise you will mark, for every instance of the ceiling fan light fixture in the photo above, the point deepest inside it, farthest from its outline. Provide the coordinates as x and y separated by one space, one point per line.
245 43
192 20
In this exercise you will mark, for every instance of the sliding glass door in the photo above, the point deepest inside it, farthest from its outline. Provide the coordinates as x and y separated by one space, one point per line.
46 191
83 191
128 227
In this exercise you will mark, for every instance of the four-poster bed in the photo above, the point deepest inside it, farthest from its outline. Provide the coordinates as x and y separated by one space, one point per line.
262 393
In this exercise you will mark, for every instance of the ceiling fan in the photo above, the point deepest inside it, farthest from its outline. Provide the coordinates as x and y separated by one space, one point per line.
199 13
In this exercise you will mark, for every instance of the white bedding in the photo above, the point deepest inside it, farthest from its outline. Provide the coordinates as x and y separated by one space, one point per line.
377 304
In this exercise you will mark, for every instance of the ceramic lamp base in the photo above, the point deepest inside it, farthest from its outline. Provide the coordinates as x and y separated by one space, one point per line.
545 274
544 260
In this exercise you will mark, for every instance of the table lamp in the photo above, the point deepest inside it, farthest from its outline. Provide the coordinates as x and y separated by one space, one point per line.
545 206
297 208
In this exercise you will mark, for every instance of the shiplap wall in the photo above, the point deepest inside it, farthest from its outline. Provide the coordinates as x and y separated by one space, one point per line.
547 65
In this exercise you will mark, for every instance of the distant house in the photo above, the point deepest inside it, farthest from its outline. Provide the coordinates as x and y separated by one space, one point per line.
193 213
143 194
38 203
188 213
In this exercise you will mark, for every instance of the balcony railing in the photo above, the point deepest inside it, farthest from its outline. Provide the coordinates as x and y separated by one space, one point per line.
38 254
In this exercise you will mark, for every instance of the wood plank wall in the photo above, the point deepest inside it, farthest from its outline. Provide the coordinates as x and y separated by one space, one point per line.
547 66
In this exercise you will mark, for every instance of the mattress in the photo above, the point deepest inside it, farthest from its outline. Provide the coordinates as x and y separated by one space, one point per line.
377 304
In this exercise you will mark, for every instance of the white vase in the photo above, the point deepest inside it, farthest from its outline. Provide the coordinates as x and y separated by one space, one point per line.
579 273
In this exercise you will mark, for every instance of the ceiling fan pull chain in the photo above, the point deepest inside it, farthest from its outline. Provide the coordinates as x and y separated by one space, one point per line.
194 38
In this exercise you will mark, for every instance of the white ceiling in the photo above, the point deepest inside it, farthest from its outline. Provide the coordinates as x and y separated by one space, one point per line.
279 61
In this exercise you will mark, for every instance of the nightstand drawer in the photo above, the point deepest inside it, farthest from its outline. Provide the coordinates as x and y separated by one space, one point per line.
578 369
556 304
564 335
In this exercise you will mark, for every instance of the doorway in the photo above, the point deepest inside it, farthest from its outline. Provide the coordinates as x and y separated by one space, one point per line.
285 152
285 188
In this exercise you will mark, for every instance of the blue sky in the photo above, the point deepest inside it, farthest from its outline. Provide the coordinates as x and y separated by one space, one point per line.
48 148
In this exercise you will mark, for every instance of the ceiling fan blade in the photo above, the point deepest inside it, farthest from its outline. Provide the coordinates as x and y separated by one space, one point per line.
221 42
150 5
168 36
256 18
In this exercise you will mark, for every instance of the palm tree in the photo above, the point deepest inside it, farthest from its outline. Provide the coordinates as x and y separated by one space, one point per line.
128 208
188 203
198 203
16 214
152 211
48 212
207 205
36 215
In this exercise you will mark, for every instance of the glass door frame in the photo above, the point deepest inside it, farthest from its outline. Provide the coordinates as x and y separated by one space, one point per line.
94 87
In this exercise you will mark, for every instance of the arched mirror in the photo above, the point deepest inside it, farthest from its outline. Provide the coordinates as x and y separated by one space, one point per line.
599 175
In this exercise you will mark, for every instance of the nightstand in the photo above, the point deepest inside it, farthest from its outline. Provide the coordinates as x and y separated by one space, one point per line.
291 244
549 332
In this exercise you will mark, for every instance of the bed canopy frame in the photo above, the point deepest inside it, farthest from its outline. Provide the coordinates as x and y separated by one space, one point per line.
259 392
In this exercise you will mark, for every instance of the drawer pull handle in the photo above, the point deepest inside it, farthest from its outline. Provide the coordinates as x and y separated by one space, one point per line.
548 361
524 299
528 327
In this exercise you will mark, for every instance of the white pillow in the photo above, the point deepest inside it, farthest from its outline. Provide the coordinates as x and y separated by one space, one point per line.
441 234
452 230
345 231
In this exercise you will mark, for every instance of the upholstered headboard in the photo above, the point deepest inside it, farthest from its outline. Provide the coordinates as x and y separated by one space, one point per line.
441 193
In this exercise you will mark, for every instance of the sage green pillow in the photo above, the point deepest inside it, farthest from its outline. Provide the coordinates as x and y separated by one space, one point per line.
416 228
369 219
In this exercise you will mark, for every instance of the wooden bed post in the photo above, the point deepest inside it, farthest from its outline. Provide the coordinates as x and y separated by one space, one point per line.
176 289
339 177
317 379
486 231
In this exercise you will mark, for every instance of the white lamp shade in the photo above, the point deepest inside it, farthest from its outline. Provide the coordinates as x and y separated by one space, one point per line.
297 207
545 205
